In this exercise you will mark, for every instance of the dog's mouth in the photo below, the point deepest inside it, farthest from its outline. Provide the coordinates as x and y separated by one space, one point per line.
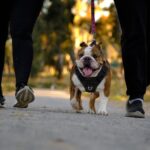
87 71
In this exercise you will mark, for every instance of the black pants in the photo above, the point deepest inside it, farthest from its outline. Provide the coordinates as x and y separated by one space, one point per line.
134 21
19 16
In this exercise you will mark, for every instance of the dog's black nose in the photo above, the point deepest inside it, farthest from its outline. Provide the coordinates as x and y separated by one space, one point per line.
87 61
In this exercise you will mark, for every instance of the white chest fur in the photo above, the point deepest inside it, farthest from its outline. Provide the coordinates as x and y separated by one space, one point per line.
77 82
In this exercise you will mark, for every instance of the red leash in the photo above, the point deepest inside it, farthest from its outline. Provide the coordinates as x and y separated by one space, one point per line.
93 26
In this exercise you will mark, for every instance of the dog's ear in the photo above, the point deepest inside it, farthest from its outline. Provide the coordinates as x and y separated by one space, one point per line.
83 44
93 43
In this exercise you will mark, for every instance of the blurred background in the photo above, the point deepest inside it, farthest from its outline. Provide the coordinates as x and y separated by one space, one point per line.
61 27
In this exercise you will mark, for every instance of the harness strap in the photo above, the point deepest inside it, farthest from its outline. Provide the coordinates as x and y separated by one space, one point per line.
93 26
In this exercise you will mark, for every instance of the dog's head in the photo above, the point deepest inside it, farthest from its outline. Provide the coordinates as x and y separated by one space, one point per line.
90 58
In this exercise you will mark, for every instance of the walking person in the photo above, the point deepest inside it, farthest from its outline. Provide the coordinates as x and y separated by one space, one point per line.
19 17
134 21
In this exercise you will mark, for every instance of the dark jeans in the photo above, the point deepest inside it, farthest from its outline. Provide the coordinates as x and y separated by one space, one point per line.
134 21
19 16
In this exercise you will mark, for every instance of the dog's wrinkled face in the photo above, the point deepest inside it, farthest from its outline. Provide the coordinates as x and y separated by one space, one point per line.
90 58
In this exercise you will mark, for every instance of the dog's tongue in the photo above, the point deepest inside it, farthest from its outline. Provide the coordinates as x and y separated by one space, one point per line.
87 72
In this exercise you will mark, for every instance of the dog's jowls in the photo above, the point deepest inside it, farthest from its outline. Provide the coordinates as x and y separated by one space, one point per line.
90 66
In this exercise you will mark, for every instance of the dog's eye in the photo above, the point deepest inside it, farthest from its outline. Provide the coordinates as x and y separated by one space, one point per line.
94 55
80 55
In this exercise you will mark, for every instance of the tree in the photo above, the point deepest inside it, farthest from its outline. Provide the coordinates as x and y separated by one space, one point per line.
55 26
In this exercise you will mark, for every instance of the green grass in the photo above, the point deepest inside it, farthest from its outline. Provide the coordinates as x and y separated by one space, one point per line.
118 88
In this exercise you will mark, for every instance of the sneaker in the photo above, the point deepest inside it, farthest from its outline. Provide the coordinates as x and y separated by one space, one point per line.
135 108
2 100
24 96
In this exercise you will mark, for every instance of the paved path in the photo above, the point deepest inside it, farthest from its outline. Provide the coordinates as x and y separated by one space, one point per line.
50 124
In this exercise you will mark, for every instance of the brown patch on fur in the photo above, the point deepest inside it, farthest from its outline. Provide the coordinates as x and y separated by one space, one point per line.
107 84
73 92
98 52
93 97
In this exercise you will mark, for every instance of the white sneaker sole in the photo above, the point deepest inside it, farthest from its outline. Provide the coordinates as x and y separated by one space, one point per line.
136 114
24 97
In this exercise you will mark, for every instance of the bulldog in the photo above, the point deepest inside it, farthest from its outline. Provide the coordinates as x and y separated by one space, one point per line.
90 73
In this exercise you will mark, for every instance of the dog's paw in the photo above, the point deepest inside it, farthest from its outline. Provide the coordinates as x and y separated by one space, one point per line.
75 105
103 112
90 111
80 111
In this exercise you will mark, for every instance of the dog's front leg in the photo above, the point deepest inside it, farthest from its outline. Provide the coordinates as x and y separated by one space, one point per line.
102 110
75 99
93 97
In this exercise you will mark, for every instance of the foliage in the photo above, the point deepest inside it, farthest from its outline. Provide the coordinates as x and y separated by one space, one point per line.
53 35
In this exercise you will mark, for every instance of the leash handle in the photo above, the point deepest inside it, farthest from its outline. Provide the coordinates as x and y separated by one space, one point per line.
93 26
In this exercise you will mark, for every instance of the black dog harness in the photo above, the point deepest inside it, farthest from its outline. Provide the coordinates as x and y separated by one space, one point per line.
90 84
